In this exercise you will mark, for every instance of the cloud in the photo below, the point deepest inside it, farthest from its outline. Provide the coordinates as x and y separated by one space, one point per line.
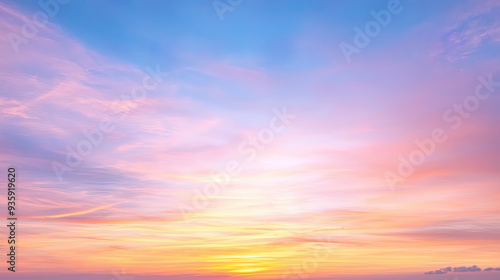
492 269
439 271
81 212
473 268
472 35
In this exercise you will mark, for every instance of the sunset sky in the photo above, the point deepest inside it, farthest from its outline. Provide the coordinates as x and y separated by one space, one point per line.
251 139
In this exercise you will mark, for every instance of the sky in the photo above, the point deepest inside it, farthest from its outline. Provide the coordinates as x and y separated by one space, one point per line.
251 139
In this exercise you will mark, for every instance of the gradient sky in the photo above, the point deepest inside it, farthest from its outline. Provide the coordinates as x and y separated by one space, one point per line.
318 183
